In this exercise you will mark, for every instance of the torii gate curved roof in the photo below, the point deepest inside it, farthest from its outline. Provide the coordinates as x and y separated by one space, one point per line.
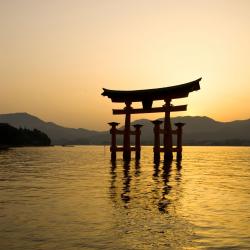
172 92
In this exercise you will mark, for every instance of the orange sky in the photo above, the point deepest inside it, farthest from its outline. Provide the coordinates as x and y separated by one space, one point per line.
56 56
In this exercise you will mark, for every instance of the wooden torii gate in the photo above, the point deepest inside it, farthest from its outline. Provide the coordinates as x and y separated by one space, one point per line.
147 96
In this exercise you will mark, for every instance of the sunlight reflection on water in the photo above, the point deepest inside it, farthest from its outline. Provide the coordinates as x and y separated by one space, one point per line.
74 198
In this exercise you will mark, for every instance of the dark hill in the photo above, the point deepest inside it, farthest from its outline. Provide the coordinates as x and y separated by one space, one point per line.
11 136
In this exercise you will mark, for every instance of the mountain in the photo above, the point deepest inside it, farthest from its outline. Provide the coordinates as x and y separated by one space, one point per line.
57 134
199 130
202 130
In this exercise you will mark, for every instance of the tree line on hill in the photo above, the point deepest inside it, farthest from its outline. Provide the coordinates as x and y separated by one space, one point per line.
16 137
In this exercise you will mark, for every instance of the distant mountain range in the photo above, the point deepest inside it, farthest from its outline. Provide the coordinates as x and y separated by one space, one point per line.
197 131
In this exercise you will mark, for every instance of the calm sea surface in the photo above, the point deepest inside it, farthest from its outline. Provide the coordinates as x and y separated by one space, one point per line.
74 198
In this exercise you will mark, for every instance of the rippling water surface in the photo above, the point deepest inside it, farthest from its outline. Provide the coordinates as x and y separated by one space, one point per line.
74 198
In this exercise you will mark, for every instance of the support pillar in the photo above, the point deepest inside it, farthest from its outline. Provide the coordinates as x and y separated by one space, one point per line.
168 144
179 130
126 136
113 140
137 141
157 124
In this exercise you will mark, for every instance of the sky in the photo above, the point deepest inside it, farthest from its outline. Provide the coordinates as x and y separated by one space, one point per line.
57 55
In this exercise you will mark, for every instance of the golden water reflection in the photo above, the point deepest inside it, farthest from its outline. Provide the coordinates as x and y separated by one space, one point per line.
120 186
75 198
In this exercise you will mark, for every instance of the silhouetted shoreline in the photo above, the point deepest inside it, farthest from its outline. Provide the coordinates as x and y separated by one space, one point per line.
13 137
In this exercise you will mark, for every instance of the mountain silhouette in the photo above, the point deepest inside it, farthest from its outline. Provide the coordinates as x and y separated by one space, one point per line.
199 130
202 130
58 134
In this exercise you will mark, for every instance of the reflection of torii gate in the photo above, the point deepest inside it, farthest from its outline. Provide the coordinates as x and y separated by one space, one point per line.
147 97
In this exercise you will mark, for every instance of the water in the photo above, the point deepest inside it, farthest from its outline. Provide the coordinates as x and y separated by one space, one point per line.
74 198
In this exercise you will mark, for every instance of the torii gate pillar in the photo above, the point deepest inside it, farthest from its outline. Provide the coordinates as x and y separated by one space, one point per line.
126 136
167 141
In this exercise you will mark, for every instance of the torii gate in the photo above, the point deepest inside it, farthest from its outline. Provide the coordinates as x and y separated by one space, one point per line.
147 96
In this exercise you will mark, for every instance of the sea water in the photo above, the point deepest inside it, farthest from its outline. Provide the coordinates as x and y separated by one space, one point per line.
75 198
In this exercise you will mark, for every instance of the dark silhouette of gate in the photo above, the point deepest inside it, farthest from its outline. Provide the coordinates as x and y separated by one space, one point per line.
146 97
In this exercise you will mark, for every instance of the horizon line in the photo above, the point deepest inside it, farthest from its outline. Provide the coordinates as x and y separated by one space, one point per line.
200 116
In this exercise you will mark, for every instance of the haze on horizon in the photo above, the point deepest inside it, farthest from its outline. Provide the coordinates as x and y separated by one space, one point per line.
56 56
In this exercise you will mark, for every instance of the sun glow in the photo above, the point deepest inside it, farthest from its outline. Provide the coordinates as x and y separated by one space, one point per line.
57 56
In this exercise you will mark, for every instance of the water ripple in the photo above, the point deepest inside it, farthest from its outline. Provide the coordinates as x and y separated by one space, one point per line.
75 198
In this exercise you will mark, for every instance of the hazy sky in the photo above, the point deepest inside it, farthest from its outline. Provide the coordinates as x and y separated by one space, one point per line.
57 55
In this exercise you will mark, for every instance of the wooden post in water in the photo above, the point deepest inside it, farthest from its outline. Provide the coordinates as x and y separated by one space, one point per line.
126 136
137 141
179 126
167 141
157 124
113 139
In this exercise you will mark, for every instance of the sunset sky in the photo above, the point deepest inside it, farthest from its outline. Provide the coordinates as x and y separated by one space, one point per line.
57 55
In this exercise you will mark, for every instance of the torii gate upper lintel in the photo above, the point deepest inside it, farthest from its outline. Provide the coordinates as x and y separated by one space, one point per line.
146 97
